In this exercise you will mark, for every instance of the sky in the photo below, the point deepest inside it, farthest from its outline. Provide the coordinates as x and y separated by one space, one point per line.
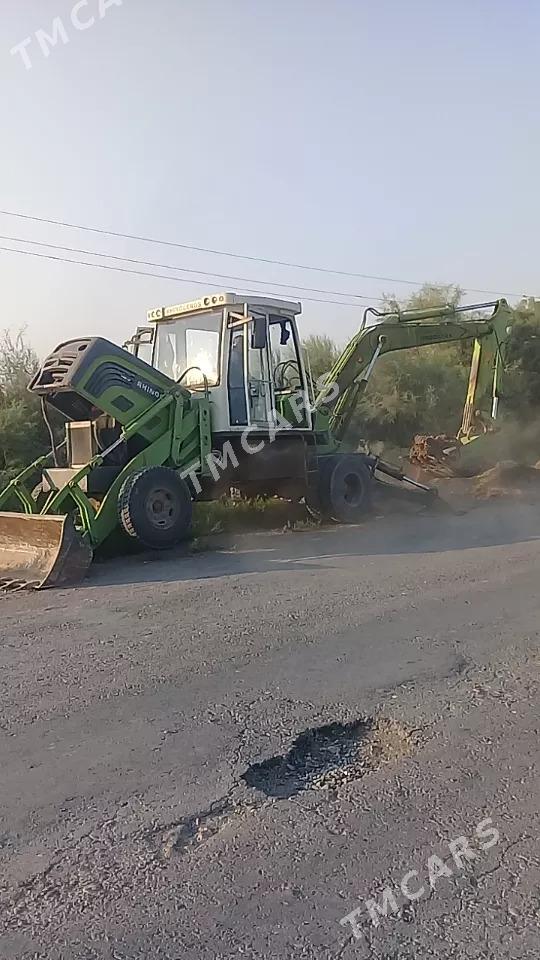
378 137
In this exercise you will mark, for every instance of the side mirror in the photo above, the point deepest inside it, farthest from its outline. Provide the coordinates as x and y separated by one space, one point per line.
141 335
259 336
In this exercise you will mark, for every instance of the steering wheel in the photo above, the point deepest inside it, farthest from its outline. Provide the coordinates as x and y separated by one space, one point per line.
279 376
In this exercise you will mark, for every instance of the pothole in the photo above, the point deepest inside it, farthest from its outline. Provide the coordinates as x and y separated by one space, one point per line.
328 756
322 758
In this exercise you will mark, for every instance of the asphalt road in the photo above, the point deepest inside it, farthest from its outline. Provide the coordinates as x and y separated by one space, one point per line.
162 795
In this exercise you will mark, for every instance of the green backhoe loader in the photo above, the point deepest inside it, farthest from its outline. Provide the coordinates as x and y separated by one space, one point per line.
210 395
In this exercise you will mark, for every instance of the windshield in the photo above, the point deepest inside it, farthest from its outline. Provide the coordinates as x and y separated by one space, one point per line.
190 345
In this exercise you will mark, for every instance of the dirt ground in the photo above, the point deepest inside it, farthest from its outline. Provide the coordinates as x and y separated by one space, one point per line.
507 481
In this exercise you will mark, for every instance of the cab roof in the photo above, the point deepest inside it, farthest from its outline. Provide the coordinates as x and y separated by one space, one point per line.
213 300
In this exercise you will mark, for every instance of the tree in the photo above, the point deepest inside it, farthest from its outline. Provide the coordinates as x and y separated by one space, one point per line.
420 390
322 353
428 295
23 436
412 393
521 387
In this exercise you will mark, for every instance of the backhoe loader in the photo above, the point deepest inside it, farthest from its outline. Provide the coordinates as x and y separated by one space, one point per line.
209 395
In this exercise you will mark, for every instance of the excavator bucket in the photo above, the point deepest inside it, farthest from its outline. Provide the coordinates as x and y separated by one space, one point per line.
40 551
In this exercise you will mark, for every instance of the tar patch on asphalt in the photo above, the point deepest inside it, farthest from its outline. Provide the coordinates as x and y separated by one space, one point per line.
328 756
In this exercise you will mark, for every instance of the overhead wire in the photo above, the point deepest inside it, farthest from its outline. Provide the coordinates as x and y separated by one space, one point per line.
144 273
239 256
190 270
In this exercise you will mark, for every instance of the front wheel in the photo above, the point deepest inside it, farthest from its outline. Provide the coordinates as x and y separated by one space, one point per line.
345 488
155 508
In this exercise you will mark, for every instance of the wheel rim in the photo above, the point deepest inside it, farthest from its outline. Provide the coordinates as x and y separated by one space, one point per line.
161 508
353 489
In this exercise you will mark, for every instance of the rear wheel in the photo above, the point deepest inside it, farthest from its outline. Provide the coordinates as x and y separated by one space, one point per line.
154 507
316 499
345 488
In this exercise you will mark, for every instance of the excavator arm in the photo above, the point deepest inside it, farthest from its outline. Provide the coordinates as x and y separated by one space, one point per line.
484 379
401 330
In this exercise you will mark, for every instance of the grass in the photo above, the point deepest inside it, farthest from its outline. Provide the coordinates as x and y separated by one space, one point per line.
236 516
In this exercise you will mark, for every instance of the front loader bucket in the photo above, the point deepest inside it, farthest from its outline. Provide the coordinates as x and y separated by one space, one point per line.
40 551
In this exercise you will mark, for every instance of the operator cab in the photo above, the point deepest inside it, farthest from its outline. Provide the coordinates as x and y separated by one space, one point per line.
244 351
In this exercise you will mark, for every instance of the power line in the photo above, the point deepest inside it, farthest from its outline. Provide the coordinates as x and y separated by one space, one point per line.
143 273
237 256
169 266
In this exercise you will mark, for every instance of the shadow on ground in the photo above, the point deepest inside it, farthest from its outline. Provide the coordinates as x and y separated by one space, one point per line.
236 555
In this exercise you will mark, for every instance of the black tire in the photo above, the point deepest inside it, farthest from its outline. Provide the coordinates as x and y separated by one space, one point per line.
345 488
154 507
316 500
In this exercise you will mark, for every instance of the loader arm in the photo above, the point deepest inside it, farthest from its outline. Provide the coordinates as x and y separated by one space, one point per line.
402 330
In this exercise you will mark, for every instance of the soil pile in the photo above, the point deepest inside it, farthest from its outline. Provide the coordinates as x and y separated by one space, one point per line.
507 479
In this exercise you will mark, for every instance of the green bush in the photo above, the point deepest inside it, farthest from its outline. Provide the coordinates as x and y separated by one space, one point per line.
23 436
521 387
414 392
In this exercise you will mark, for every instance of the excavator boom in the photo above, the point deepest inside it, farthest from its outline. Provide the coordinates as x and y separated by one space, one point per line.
402 330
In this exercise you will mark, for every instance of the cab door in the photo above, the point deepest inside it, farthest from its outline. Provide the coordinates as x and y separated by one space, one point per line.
250 390
288 375
259 381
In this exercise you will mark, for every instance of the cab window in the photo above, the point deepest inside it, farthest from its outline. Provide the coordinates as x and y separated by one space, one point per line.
284 356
